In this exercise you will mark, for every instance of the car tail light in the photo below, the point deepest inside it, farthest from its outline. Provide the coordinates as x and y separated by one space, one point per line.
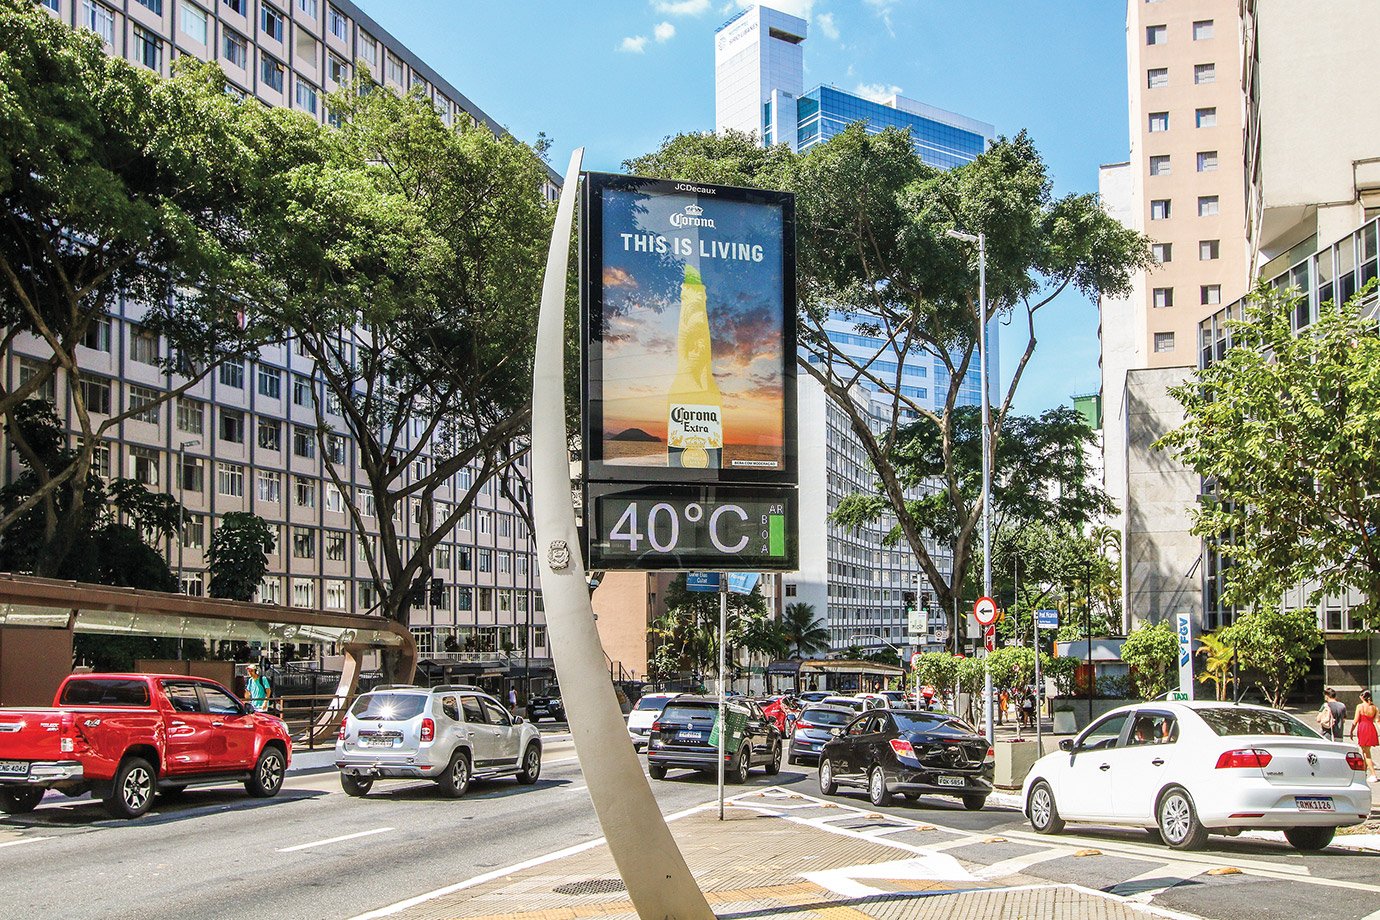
991 753
903 748
1244 759
656 726
1356 762
428 730
806 725
340 735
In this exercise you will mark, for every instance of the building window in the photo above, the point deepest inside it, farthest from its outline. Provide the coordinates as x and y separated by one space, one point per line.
305 490
191 415
1207 205
272 72
1204 73
335 546
272 22
1211 294
143 465
98 334
153 6
303 442
337 24
193 24
337 69
270 382
486 560
1159 121
1164 297
236 49
1157 77
1202 30
54 5
335 595
394 69
303 543
232 374
1159 165
144 403
194 530
270 486
366 503
301 390
308 7
143 346
270 434
1164 341
335 448
96 395
1209 250
28 369
148 50
306 97
303 592
368 49
486 600
100 19
193 474
239 6
1163 252
1159 209
335 499
1207 161
1206 118
232 426
100 459
1156 35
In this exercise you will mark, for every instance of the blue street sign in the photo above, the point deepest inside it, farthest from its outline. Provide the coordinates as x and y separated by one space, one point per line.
743 582
1047 619
705 582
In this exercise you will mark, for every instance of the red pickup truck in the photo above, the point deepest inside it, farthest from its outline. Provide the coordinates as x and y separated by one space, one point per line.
124 737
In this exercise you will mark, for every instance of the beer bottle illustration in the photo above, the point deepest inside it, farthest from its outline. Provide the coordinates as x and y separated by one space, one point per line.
694 429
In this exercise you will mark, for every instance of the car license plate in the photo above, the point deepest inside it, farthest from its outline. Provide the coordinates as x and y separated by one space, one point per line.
1314 802
14 768
951 781
692 736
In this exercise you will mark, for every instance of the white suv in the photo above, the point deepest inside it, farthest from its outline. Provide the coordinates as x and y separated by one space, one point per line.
449 734
644 714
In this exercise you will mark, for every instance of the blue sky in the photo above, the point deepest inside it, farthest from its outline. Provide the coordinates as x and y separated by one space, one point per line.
617 76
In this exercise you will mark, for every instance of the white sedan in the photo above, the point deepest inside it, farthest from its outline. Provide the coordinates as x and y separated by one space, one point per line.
1185 770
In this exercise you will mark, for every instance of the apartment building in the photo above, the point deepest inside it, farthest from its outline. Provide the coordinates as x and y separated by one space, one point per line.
244 439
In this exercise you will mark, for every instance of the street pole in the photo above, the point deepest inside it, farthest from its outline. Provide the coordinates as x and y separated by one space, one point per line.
723 721
1087 622
1039 686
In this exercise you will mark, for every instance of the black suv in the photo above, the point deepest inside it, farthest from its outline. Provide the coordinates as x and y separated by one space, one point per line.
684 736
545 707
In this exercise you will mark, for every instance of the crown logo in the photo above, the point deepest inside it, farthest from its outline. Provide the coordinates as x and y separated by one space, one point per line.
693 210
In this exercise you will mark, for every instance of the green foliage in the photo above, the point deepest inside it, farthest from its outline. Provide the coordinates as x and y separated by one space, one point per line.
238 555
803 633
688 634
1218 658
727 158
1285 428
937 669
1274 647
1063 670
1152 651
1012 666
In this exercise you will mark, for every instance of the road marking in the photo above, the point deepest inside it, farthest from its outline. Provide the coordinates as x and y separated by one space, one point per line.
330 840
22 841
1160 880
1018 864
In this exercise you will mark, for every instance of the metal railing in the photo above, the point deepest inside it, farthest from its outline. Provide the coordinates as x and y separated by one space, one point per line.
312 718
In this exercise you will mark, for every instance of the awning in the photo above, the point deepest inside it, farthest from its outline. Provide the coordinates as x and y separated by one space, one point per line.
784 667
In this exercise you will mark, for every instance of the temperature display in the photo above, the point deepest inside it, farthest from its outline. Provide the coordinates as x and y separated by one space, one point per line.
677 527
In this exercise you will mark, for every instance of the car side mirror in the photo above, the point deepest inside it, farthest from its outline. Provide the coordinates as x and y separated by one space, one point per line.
517 720
836 732
1066 745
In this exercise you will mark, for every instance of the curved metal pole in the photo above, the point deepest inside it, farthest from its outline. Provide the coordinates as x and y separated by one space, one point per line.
658 880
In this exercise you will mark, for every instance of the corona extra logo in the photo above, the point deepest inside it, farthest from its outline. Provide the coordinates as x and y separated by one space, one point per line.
690 217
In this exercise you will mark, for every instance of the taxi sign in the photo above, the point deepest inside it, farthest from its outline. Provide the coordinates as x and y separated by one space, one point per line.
985 611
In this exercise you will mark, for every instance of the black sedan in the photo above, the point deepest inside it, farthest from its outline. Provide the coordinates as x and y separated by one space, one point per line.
913 753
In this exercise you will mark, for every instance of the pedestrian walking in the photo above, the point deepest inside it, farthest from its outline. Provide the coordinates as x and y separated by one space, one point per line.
512 699
1332 716
1002 701
1027 710
257 690
1363 730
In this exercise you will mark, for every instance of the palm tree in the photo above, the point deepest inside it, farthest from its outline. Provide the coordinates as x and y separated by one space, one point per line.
802 631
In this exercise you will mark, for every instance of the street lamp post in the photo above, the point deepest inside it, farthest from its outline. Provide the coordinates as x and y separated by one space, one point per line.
981 240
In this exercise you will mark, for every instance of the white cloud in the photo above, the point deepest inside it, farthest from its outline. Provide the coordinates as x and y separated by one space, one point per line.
664 32
826 24
883 10
801 8
681 7
877 92
634 44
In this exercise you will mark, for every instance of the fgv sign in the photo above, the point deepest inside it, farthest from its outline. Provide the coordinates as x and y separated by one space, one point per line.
1183 628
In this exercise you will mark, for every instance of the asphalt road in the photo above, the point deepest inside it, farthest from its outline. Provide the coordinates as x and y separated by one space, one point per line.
314 852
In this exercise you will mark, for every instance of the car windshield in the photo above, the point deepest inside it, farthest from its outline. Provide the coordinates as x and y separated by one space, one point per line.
653 702
388 707
930 722
690 712
1233 721
97 692
825 717
855 705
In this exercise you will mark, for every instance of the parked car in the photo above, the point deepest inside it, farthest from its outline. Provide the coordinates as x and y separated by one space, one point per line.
847 702
815 727
898 699
646 711
814 696
124 737
782 710
684 736
545 706
913 753
874 700
450 735
1185 770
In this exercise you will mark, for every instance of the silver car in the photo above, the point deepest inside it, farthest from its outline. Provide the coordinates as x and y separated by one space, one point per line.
450 735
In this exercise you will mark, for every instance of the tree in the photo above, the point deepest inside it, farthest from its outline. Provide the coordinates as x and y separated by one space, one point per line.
688 633
405 256
804 633
1274 647
937 669
1012 666
114 183
1285 431
1152 652
238 555
872 223
1218 658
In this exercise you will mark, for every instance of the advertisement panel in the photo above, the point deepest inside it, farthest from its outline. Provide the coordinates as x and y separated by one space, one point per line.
688 295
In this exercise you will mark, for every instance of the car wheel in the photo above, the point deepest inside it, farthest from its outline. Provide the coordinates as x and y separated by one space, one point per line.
356 786
1044 814
531 765
974 802
1178 820
20 801
827 786
877 792
267 778
774 765
1309 839
131 792
738 772
656 771
456 780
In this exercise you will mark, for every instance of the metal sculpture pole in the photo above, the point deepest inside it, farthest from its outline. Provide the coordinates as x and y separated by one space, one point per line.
658 880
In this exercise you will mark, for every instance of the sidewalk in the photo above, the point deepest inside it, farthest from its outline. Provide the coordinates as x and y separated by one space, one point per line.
786 855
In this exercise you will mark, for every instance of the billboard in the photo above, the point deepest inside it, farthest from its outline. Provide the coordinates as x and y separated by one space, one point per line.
688 332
